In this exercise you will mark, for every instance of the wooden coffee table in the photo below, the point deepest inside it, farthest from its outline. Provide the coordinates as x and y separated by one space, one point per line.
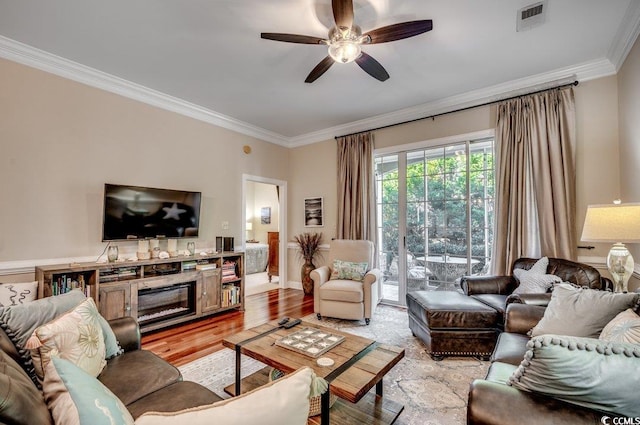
359 365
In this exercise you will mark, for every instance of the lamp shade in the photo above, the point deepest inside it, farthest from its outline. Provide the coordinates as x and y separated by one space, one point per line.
249 226
612 223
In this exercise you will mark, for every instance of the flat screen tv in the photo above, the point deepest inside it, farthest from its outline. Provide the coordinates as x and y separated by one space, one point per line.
133 212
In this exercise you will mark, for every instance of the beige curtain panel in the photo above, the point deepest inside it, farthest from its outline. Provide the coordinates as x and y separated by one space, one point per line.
535 180
356 209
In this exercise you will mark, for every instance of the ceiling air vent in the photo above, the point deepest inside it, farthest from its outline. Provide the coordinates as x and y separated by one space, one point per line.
531 16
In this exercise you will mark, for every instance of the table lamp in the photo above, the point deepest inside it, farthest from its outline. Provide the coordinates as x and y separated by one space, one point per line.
616 223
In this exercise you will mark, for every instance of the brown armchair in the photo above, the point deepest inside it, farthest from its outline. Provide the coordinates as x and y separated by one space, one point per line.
497 291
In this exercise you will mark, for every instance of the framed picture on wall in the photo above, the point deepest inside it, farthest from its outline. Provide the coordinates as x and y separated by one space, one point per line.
313 213
265 215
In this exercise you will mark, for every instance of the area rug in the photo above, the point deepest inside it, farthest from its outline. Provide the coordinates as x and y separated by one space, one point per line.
433 393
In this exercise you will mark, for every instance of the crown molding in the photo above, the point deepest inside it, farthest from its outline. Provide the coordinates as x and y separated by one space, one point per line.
581 72
39 59
625 36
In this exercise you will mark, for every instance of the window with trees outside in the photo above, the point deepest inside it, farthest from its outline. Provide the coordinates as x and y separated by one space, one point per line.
435 216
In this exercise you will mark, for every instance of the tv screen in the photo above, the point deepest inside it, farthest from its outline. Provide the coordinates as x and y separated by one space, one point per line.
133 212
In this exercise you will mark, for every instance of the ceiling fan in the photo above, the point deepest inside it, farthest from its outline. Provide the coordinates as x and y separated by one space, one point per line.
345 40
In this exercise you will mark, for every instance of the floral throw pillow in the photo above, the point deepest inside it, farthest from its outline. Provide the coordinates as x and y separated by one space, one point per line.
75 336
348 270
625 327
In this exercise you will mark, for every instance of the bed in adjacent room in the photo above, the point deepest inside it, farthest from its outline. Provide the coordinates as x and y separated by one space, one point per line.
255 257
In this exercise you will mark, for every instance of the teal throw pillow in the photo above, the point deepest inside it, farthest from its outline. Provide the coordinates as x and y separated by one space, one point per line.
349 270
75 397
111 345
584 371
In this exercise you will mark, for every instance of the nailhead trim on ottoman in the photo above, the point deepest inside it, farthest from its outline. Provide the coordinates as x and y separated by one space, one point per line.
452 324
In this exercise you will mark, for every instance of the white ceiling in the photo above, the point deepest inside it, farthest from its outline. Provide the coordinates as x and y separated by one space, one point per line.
205 58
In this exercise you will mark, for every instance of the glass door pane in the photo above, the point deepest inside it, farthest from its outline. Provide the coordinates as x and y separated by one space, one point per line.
435 216
417 222
388 212
481 195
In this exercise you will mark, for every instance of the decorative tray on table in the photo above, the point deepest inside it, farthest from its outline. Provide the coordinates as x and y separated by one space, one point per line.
310 341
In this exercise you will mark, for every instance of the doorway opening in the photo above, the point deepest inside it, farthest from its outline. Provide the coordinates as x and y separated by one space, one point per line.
264 221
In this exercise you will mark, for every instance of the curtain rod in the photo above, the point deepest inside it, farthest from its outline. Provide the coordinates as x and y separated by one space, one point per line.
573 83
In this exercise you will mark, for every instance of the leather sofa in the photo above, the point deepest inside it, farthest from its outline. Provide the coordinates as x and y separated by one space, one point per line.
497 291
467 324
493 402
140 379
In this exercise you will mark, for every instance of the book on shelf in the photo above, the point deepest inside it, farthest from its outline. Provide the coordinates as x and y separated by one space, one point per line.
110 275
229 271
230 295
189 265
63 284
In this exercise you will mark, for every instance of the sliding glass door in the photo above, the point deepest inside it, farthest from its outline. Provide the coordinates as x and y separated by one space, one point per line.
435 216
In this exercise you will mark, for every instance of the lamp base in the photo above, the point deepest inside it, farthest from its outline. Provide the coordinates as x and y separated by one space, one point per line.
620 264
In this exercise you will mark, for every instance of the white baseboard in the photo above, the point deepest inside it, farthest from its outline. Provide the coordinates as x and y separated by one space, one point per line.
294 285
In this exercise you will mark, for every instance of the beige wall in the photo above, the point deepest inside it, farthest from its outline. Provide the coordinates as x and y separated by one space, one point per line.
312 173
61 141
313 167
629 116
597 155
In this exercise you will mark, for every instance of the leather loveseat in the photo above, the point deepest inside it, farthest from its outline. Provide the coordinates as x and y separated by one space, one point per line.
497 291
493 402
140 379
451 323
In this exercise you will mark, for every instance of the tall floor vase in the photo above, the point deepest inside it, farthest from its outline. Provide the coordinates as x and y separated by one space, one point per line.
305 274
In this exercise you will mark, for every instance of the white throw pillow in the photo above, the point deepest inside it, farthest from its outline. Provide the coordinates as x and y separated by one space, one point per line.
535 280
75 336
581 311
18 293
284 401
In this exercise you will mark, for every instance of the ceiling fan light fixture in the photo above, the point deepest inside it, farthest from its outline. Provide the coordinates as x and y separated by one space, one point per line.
344 43
344 51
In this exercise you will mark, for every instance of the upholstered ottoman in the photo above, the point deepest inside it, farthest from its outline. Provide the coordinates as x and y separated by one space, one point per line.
452 324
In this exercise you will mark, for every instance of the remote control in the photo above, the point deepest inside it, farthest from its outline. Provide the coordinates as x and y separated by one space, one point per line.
283 321
291 324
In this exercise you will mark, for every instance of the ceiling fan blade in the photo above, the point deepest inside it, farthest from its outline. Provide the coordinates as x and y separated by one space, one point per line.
372 67
343 12
292 38
320 69
399 31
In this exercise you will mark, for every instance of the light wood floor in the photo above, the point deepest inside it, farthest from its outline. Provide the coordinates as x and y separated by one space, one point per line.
184 343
